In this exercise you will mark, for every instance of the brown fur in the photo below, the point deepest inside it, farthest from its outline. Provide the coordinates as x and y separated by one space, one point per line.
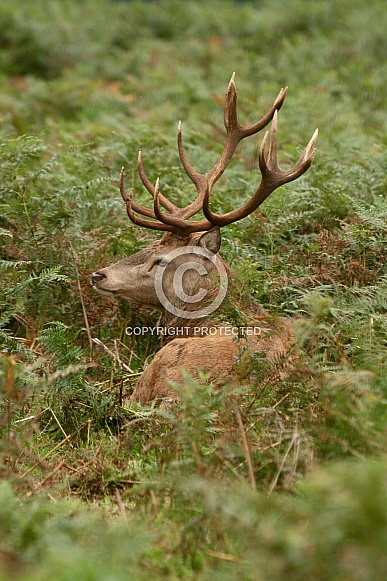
216 354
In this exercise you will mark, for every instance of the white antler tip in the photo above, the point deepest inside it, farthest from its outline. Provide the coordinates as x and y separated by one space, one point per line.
312 142
280 98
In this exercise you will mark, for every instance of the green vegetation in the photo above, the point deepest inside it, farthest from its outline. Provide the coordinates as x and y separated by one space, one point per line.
283 478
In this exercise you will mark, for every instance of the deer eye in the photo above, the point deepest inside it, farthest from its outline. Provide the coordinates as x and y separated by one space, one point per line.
159 262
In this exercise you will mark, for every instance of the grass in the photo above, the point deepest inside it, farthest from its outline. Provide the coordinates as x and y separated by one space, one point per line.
282 478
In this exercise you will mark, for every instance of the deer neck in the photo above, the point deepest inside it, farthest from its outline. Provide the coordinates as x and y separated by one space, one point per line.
186 324
186 320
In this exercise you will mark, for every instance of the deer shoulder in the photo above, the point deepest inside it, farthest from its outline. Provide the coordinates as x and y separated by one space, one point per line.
183 274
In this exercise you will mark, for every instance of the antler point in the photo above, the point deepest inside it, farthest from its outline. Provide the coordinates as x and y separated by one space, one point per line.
264 140
310 150
231 85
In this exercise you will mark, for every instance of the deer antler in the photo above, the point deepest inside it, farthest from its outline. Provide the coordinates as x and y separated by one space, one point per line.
132 207
235 133
177 220
272 178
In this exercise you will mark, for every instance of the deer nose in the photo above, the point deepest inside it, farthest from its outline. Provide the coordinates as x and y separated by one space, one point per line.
96 277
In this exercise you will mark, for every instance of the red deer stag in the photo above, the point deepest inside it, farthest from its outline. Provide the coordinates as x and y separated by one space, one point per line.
179 274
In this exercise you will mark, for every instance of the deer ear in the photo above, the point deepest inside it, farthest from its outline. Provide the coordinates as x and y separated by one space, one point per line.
210 240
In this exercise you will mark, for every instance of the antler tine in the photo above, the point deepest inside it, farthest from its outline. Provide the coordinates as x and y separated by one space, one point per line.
178 223
235 133
230 105
194 176
132 207
272 178
153 225
197 178
156 203
256 127
310 150
128 199
231 118
124 195
150 187
165 222
269 166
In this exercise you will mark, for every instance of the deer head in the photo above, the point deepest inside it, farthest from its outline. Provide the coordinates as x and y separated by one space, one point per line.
135 277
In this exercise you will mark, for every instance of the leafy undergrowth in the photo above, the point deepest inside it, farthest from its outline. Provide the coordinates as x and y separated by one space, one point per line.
282 475
333 527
